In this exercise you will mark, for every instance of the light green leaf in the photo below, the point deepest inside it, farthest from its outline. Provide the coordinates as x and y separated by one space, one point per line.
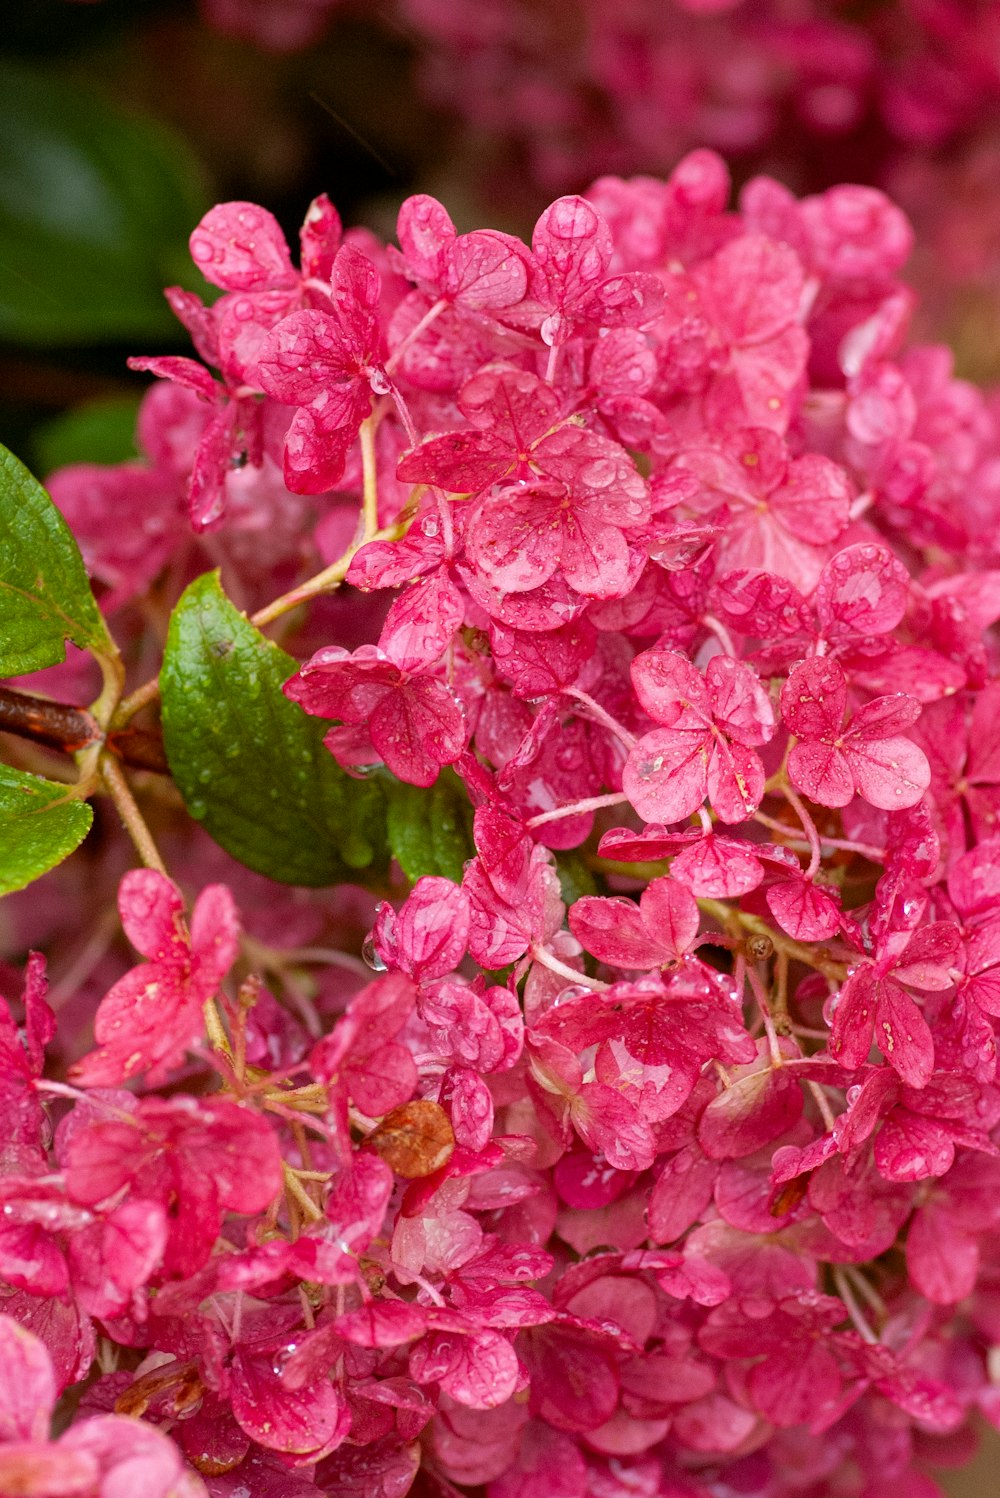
252 766
45 598
40 825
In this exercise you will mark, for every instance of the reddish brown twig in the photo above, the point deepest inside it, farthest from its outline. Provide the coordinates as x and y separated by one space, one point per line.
60 725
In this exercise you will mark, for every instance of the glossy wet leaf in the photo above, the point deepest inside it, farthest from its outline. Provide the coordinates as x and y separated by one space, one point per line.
39 827
45 597
430 831
251 766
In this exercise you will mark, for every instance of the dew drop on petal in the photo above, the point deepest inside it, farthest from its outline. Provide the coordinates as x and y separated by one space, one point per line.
370 956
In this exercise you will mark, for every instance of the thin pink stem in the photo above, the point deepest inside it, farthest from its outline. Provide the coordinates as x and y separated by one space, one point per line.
600 715
563 970
392 363
757 987
819 1096
864 850
412 435
720 632
808 827
576 808
853 1309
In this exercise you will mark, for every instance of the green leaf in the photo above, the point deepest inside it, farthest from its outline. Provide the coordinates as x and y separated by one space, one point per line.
95 208
430 832
99 432
575 877
45 598
40 825
252 766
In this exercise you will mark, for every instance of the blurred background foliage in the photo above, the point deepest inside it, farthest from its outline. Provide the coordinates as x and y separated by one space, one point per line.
120 123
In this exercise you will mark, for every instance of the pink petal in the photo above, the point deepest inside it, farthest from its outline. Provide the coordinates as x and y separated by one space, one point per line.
152 912
671 690
735 781
815 500
417 729
424 229
615 931
431 929
319 238
822 773
889 773
903 1035
808 912
241 247
754 1110
753 286
666 775
480 1371
297 1422
740 705
682 1192
854 1018
420 625
515 537
670 912
941 1260
863 590
301 356
572 248
792 1388
383 1323
487 270
813 698
27 1384
384 1469
911 1148
215 937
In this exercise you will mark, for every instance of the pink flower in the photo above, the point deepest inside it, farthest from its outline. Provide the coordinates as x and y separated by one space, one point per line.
875 998
414 722
155 1013
830 761
326 364
201 1157
711 725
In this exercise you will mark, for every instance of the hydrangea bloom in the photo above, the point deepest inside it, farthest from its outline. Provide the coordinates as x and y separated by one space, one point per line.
647 1140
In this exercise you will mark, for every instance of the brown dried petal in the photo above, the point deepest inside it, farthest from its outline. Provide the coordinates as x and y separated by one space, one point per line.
414 1140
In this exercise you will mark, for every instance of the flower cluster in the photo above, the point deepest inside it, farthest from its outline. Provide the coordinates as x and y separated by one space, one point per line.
659 1155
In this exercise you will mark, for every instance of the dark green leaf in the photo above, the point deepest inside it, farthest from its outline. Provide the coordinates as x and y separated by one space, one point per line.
251 766
99 432
95 206
45 598
575 878
430 832
39 827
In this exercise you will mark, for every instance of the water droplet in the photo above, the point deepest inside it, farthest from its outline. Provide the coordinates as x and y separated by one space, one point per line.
198 809
370 956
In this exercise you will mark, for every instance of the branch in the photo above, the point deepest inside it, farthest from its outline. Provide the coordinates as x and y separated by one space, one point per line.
58 725
62 726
